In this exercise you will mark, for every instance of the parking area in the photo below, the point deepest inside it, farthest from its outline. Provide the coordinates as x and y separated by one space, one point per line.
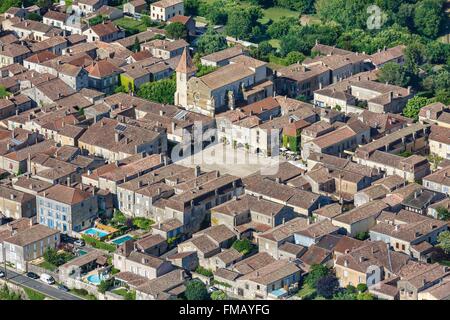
226 159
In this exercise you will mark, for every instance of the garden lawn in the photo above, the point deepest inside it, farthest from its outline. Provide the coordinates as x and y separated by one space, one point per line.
276 13
130 24
306 292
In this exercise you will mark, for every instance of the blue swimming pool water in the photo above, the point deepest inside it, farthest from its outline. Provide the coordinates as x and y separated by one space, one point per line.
96 232
122 239
95 279
279 292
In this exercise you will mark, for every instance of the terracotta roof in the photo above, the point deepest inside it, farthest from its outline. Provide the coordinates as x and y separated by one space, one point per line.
104 29
440 134
102 68
166 3
31 235
65 194
186 65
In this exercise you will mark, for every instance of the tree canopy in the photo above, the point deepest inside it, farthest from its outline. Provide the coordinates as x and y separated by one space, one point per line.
196 290
162 91
211 41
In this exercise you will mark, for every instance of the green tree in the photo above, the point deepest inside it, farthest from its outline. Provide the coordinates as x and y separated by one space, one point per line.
244 246
34 16
137 45
281 27
341 11
316 272
413 107
394 74
211 41
243 22
3 92
105 285
161 91
435 160
303 6
294 57
263 51
428 17
51 256
191 7
361 287
444 241
196 290
219 295
176 30
6 4
443 213
327 286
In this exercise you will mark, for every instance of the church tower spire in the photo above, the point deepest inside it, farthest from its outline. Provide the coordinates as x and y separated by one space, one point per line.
185 70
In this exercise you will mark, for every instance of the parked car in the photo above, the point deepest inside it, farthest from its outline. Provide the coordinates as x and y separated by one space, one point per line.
212 289
2 274
32 275
48 279
63 288
79 243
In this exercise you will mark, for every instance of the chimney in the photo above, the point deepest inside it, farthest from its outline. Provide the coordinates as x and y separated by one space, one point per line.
345 263
197 170
68 182
31 222
361 259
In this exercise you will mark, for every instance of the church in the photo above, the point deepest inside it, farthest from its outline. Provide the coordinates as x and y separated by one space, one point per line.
242 81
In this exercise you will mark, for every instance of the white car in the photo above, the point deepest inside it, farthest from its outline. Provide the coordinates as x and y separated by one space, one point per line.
48 279
2 274
79 243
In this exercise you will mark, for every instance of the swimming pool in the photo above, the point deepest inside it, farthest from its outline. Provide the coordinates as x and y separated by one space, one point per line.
96 232
95 279
122 239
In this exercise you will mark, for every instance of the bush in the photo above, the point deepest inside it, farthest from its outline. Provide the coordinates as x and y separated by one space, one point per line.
33 295
105 285
219 295
204 272
98 244
143 223
361 287
316 272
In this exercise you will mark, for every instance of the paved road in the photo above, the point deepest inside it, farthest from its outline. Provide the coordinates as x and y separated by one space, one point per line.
50 291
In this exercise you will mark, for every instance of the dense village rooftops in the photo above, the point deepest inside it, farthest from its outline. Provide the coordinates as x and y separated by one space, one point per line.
46 146
31 184
166 3
160 287
65 194
41 57
102 68
224 54
386 55
286 230
329 211
103 134
391 138
253 263
429 273
371 209
104 29
33 25
272 272
11 194
31 235
440 134
374 253
408 231
299 72
331 138
329 50
440 177
13 50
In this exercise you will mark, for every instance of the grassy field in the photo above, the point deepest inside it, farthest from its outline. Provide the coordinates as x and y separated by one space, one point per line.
277 13
130 24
